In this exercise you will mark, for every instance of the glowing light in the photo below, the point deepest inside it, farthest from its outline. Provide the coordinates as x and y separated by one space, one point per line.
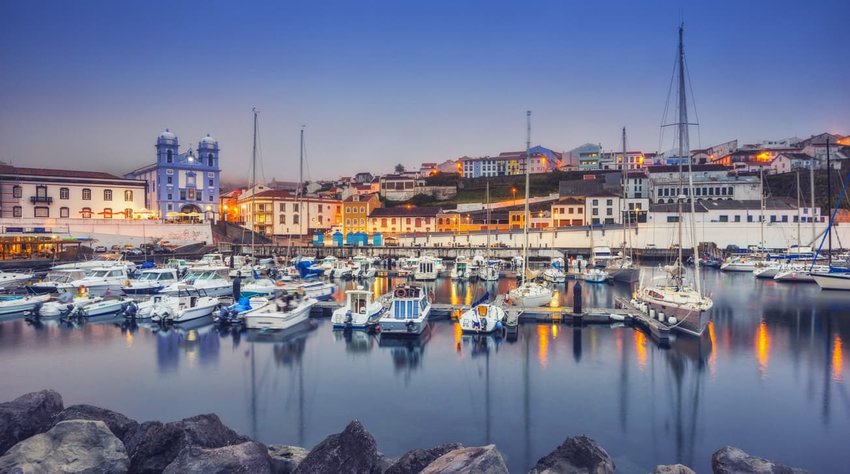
762 348
543 344
458 336
640 349
837 359
554 331
712 359
763 156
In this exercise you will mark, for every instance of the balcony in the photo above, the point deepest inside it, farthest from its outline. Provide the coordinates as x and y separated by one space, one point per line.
41 199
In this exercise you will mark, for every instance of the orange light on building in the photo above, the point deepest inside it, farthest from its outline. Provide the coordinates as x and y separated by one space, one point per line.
837 359
640 349
762 348
543 344
640 159
763 156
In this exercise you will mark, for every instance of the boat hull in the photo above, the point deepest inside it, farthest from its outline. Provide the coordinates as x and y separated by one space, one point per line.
624 275
278 321
832 281
689 320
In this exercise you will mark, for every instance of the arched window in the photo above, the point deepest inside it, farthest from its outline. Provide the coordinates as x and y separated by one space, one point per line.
209 159
87 196
128 196
107 194
128 213
64 193
169 156
107 213
17 191
86 213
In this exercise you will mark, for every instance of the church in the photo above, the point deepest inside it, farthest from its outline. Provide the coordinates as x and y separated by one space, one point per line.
182 186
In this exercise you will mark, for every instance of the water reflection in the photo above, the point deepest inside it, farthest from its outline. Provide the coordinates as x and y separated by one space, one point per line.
762 344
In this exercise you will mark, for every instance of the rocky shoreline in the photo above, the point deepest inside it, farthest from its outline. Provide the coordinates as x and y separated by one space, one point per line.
38 434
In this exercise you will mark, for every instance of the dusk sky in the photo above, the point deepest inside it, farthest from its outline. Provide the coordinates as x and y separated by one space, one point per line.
90 84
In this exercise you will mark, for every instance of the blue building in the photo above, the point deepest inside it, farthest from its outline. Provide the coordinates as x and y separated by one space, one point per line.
184 184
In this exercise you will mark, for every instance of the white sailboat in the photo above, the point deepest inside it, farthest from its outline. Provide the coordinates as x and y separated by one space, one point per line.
837 278
680 306
488 270
482 317
528 293
621 267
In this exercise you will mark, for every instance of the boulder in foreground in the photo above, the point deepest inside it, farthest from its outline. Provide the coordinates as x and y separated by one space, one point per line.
578 454
27 415
475 460
729 460
249 457
352 451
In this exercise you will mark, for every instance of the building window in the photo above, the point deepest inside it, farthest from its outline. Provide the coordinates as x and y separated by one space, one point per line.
168 180
170 207
107 194
107 213
749 218
182 194
17 192
169 156
41 211
17 211
209 159
169 172
64 212
348 222
724 218
64 193
86 194
610 202
191 194
295 219
609 212
86 213
170 196
737 218
211 183
282 219
128 196
282 207
672 218
128 213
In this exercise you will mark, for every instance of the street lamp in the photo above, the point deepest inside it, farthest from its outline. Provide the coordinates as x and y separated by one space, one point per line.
513 191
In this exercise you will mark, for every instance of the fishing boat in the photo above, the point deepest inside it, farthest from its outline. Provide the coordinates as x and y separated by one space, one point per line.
188 304
359 312
56 281
462 270
21 305
529 293
679 305
150 281
289 308
426 269
211 280
408 311
482 317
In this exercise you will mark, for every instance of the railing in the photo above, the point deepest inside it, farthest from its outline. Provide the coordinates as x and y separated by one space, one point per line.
44 199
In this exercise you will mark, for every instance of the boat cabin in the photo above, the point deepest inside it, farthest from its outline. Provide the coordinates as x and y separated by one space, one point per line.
408 302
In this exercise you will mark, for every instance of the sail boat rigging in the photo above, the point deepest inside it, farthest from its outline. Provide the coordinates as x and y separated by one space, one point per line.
622 268
528 293
489 271
678 305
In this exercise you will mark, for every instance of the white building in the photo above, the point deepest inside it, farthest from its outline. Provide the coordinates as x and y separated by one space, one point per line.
276 212
603 208
711 182
67 194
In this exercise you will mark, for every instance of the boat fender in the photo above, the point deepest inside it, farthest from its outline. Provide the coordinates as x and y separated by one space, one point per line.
400 293
672 320
410 326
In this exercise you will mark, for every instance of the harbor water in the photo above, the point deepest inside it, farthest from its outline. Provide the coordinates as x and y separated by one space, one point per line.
768 377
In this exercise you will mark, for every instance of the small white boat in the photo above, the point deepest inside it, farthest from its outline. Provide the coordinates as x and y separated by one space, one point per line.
102 280
555 273
27 303
209 260
489 272
408 312
328 262
150 281
768 269
14 280
738 264
56 281
190 303
211 280
426 270
104 306
260 287
530 294
318 290
341 270
600 256
88 265
364 269
482 318
595 275
832 280
359 312
462 269
800 273
287 310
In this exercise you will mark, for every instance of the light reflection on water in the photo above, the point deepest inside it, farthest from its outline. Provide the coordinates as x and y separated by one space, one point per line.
768 376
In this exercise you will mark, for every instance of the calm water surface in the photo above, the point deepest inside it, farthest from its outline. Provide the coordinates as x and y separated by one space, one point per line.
769 377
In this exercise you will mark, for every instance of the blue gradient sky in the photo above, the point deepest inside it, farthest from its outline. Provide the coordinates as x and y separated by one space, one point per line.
90 84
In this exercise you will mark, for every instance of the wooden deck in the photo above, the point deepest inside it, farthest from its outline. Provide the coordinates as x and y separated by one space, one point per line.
658 330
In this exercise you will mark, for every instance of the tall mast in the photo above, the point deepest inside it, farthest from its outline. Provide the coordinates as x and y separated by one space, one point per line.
527 181
253 179
684 147
488 220
798 210
812 191
625 196
300 192
829 197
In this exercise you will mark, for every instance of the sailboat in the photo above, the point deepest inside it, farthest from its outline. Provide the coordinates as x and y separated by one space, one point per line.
489 271
482 317
837 278
796 270
528 293
679 305
622 268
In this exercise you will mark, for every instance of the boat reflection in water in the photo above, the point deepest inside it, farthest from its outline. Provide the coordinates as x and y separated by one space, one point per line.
195 341
356 342
407 352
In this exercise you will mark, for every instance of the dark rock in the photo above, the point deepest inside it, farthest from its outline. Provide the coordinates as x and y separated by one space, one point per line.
384 463
415 460
476 460
672 469
120 425
79 446
154 445
286 458
729 460
578 454
351 451
248 458
27 415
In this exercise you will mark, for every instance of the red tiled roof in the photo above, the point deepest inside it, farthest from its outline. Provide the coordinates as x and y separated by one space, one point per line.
8 169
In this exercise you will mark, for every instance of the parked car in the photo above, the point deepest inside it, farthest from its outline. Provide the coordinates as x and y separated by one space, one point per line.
100 249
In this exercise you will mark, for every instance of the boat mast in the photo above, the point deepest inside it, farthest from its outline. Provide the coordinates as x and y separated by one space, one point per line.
829 198
253 180
527 182
623 202
300 192
798 212
761 215
684 147
683 138
812 191
488 222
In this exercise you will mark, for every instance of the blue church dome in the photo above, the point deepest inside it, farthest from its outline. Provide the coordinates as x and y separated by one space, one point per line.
167 136
208 139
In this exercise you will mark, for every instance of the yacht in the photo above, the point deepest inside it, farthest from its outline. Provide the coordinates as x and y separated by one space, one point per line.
209 260
600 256
56 281
104 280
150 281
768 269
621 268
832 280
364 269
408 312
20 305
426 269
359 312
187 304
14 280
209 279
289 308
88 265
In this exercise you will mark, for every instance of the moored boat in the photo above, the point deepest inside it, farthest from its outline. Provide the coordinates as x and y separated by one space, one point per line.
407 313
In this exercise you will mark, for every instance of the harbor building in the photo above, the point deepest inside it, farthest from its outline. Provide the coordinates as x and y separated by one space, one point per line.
182 185
403 219
711 182
512 163
275 212
355 212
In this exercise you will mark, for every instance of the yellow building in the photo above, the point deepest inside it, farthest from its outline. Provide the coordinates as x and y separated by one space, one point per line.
356 210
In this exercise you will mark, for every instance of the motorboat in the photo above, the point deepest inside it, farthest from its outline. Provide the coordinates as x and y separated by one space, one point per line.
150 281
209 260
555 272
482 318
489 272
739 264
462 269
56 281
259 287
289 308
768 269
328 262
318 290
188 304
600 256
595 275
408 311
530 294
209 279
177 264
360 311
87 265
364 269
10 280
341 270
21 305
103 280
426 269
104 306
235 313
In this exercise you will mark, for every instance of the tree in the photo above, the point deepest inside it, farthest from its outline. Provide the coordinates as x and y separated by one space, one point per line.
399 168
